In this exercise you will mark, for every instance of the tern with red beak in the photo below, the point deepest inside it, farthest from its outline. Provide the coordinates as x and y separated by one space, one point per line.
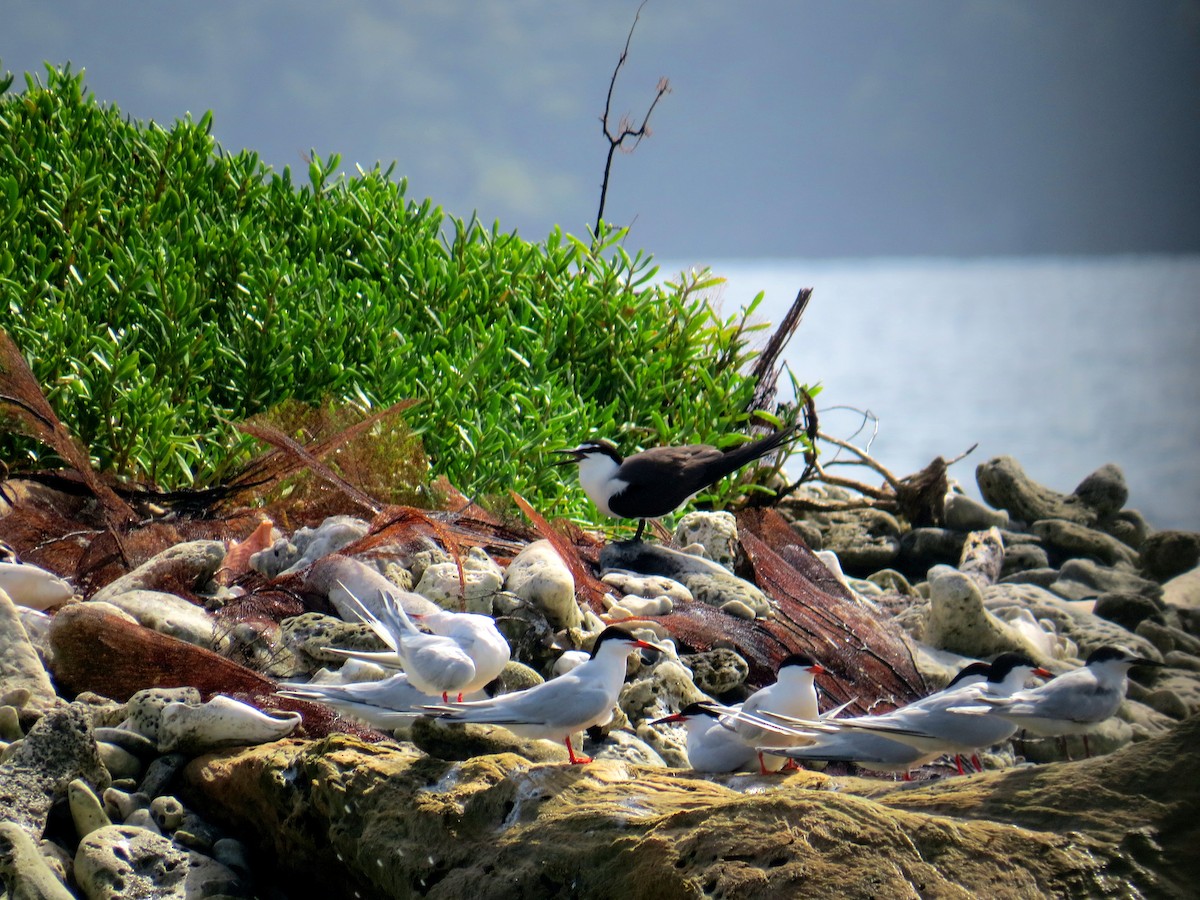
713 744
1074 703
793 694
558 708
931 725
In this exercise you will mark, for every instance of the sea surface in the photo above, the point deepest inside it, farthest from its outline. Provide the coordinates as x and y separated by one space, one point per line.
1065 363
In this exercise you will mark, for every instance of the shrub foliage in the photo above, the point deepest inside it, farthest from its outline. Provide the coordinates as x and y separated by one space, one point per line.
163 289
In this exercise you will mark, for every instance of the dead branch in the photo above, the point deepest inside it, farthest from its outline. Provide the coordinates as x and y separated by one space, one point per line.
624 130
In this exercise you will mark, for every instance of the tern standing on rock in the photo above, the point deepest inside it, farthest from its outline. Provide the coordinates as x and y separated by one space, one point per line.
558 708
794 693
1074 703
658 481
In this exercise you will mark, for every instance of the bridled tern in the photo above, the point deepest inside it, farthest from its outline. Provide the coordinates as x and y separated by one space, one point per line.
657 481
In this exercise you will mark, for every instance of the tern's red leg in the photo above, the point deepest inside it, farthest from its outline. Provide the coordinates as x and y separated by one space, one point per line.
958 763
1087 751
762 766
908 776
460 696
977 762
446 697
576 760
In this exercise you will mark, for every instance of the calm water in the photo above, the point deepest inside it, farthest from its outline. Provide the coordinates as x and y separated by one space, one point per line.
1063 363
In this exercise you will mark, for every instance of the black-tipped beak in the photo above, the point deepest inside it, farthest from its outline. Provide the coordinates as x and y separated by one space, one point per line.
1142 661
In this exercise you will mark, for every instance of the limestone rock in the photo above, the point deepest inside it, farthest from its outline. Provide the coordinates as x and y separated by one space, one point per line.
1126 608
171 615
963 513
716 532
480 579
86 810
864 540
191 563
1166 554
717 672
958 621
310 635
33 587
1104 491
388 823
1023 558
221 722
26 873
341 577
1184 590
1004 485
1073 539
722 590
37 769
20 667
126 863
539 576
1098 579
921 548
1129 527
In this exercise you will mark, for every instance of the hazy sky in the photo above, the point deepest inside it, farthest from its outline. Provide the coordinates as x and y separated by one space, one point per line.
794 129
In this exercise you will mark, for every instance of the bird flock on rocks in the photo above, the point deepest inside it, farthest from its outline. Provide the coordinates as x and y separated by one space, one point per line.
445 660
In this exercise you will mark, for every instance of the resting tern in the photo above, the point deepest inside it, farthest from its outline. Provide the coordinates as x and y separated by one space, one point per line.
875 751
434 664
930 725
657 481
556 709
476 634
794 694
713 744
1073 703
385 704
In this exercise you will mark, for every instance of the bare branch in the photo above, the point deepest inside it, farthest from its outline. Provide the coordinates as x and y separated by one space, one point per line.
625 129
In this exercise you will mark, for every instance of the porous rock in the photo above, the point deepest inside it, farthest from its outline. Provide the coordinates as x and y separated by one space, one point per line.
121 862
716 532
1073 539
959 622
37 769
1166 554
1004 485
386 822
717 672
539 576
468 590
20 667
190 564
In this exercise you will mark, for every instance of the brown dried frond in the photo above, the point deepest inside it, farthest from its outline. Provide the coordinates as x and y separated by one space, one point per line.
24 405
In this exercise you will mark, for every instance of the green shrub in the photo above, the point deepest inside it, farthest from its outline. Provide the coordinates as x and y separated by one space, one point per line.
162 289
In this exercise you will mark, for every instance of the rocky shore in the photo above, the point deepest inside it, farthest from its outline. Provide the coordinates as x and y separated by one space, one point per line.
147 754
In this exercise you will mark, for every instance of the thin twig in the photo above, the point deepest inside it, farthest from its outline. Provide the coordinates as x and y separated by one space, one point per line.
625 128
